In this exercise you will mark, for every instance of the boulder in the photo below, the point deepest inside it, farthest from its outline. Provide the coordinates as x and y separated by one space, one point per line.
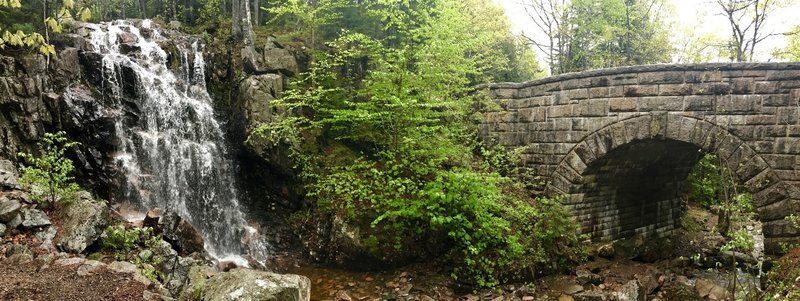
82 221
709 289
606 251
631 291
8 174
585 277
196 278
152 219
8 209
182 234
33 218
247 285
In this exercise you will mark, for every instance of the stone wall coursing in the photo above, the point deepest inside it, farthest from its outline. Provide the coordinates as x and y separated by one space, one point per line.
748 113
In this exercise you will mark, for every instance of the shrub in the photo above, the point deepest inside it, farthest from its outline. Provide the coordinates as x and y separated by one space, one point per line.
48 177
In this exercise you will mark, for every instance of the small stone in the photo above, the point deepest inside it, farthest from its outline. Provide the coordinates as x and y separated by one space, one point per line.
369 279
499 298
123 267
2 230
15 222
631 291
428 298
589 296
528 298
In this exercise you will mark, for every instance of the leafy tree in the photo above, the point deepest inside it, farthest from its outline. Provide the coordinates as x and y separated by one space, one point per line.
48 177
397 103
792 51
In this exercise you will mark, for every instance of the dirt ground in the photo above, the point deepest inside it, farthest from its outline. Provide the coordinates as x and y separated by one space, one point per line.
25 282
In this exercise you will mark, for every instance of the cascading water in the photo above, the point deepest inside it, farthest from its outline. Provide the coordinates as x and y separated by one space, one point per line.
171 148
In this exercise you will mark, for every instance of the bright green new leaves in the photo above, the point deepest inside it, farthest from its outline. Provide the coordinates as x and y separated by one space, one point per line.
48 177
400 95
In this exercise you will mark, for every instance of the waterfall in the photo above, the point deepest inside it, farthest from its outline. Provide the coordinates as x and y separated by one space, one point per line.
171 149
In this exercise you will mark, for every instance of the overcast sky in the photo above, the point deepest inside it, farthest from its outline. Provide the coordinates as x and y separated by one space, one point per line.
698 14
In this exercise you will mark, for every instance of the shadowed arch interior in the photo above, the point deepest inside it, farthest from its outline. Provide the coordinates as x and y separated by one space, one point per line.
636 188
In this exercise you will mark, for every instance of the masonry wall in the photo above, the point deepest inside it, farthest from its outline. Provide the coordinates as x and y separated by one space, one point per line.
749 113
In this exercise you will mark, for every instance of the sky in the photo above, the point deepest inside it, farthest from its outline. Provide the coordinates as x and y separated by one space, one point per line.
701 15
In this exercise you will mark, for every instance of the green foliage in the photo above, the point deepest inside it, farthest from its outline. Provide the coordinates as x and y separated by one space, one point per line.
705 180
401 99
792 50
781 280
48 177
122 241
306 17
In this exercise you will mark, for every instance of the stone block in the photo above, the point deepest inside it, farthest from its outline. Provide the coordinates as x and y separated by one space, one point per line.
788 115
664 77
622 104
742 85
577 94
560 111
616 91
594 107
776 100
778 75
765 87
640 90
787 145
661 103
504 93
638 128
674 89
698 103
711 89
598 92
741 104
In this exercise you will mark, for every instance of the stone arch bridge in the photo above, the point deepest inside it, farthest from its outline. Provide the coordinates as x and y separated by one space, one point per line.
620 142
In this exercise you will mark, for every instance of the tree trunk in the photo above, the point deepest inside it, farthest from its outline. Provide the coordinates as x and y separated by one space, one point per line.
255 8
242 27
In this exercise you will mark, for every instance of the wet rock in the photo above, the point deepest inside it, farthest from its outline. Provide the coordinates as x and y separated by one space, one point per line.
82 222
245 285
152 218
589 296
586 277
33 218
572 289
606 251
631 291
342 295
196 278
8 209
708 289
629 248
182 234
8 175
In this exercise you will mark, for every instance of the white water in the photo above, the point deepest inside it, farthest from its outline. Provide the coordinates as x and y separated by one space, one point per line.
172 156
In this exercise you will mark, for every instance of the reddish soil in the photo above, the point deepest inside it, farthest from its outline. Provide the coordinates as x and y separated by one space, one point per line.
24 282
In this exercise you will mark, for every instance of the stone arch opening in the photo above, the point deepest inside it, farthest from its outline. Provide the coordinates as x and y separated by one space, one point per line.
627 177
